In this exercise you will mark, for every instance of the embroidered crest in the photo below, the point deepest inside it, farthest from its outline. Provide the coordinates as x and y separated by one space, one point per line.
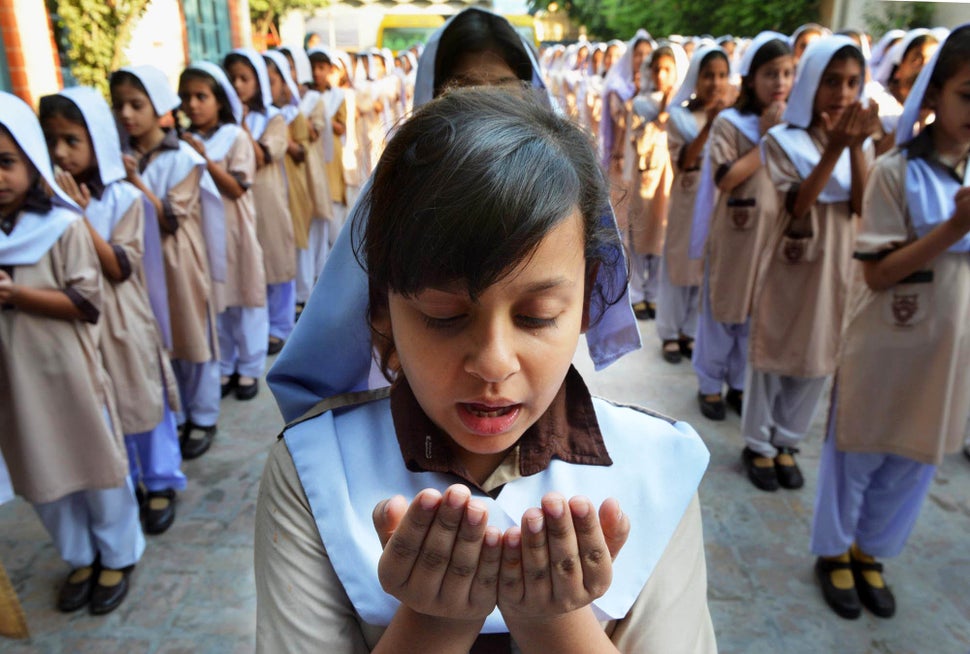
905 307
794 251
740 217
687 182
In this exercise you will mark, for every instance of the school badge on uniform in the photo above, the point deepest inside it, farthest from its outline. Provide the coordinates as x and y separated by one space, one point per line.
740 217
904 308
794 250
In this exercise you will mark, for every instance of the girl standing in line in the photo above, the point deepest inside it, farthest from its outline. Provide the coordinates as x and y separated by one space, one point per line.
733 226
817 159
68 463
907 324
692 111
266 127
83 143
215 112
189 211
326 78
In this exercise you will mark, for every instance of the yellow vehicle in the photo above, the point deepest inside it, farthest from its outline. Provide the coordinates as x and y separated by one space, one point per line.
401 31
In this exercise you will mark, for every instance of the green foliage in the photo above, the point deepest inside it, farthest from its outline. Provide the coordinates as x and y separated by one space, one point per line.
606 19
881 17
93 35
265 15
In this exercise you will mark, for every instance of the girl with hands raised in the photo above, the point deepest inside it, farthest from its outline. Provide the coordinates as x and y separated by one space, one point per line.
489 249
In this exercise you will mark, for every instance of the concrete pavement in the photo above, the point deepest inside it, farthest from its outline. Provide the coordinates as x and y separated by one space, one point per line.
194 592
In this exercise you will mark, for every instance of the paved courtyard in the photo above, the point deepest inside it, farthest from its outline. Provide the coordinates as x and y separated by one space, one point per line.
194 592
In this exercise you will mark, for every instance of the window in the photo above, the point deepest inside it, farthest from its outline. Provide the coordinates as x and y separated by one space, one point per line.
207 26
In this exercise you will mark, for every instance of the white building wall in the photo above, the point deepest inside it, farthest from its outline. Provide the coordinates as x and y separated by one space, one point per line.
157 39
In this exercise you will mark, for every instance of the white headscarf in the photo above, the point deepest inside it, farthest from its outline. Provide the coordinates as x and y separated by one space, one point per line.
164 99
810 68
686 90
895 55
879 50
101 128
262 76
34 234
281 63
235 104
756 44
304 72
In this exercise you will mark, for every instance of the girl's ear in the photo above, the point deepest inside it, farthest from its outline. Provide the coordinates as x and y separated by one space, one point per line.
931 98
382 339
588 295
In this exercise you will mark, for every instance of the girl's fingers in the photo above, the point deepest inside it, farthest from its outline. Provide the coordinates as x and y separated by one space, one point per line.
593 553
536 580
387 517
510 584
456 587
565 566
435 552
404 546
484 588
615 525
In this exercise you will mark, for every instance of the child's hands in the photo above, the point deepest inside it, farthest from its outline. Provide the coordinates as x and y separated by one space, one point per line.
131 168
714 110
196 144
852 128
961 214
560 559
440 558
296 152
771 116
78 193
314 134
6 287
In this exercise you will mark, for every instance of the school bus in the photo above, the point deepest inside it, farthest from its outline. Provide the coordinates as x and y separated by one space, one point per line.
401 31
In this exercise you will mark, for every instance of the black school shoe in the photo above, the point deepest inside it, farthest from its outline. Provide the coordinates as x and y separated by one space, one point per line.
196 444
644 311
844 601
75 594
878 600
687 347
763 477
671 354
734 399
247 392
230 385
712 409
274 345
789 477
106 598
158 520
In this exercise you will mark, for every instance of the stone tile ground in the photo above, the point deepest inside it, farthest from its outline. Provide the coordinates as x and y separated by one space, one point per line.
194 593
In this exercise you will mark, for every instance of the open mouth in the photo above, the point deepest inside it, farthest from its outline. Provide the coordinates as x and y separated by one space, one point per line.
488 419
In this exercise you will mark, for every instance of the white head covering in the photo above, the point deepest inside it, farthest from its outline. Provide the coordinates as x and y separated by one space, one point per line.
686 90
304 72
895 55
863 41
35 234
283 65
101 128
164 98
756 44
262 76
235 104
813 63
808 27
619 79
879 50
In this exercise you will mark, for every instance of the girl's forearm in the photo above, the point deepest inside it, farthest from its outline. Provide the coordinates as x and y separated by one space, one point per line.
225 182
577 632
859 165
903 262
413 632
693 150
813 185
50 302
110 265
740 171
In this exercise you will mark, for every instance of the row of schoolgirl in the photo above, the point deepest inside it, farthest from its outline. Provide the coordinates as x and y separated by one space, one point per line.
744 209
144 277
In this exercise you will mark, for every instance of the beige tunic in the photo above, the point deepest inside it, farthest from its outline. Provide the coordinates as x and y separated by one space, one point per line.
274 227
905 350
335 167
621 159
301 209
316 165
739 227
313 613
191 306
683 271
651 192
803 275
53 387
131 344
245 284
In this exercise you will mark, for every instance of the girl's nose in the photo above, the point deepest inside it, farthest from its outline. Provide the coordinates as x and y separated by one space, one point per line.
493 357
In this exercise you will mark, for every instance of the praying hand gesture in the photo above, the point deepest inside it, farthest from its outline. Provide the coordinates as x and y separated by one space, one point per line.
853 126
77 192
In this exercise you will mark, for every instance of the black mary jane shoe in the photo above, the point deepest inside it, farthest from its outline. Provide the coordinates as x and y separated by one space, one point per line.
844 601
76 594
158 520
274 346
196 440
686 347
880 601
789 476
734 399
712 409
106 598
230 385
763 477
642 311
247 392
671 351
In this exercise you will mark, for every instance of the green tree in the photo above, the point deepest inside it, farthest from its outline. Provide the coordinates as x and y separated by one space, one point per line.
265 16
883 16
93 35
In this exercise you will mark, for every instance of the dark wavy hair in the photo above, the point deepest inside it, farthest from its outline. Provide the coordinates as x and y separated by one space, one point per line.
747 102
467 189
225 109
256 102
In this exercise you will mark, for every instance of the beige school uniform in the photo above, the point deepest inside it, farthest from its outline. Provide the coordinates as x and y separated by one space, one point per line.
52 411
803 278
316 166
621 159
301 209
131 344
335 167
682 270
245 284
903 386
191 307
739 227
651 192
274 227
